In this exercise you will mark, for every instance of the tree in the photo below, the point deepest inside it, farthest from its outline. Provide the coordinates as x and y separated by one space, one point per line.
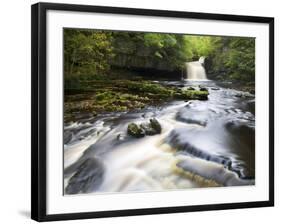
234 59
148 50
197 46
89 53
240 59
86 52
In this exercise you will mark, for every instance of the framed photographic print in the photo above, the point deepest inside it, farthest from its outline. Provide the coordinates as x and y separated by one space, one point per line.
139 111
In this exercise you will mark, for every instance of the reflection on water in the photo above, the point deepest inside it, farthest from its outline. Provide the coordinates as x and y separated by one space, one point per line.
202 144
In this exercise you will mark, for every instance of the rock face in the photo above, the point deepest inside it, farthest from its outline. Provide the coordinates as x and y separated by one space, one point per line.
88 177
151 128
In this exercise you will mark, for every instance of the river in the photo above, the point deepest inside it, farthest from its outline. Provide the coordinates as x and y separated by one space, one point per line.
202 144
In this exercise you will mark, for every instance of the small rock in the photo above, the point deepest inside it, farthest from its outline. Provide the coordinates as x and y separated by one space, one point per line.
203 89
120 137
215 88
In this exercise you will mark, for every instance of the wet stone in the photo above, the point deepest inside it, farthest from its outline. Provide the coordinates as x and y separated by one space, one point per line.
152 127
87 178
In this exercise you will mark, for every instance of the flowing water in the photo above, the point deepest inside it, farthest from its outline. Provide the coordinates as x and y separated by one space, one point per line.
195 70
202 144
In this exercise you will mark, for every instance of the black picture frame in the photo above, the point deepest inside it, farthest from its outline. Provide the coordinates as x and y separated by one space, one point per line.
39 108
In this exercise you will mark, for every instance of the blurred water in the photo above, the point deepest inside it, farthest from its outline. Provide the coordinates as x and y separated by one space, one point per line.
202 144
195 70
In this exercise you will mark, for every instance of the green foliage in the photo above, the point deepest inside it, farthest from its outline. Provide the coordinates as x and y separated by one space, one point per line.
89 55
241 59
197 46
148 50
236 57
86 52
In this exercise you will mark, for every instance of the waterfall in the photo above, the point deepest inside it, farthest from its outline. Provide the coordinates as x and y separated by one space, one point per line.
195 70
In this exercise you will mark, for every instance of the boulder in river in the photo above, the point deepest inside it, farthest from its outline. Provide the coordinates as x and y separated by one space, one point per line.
151 128
148 129
155 125
135 131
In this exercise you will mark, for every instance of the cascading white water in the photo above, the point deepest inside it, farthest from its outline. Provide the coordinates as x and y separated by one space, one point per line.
99 156
195 70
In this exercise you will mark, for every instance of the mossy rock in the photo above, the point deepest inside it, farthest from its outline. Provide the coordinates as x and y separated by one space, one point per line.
192 95
135 131
202 95
155 125
151 128
148 129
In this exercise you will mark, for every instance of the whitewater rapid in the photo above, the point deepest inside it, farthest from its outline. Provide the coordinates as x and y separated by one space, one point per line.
200 146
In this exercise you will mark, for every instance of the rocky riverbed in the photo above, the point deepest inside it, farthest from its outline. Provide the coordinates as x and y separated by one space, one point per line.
179 143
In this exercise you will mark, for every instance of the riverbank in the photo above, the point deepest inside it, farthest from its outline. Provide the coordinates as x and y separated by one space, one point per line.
117 93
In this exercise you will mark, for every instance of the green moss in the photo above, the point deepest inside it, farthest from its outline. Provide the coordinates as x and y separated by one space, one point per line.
151 128
104 95
124 95
135 131
148 87
192 95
